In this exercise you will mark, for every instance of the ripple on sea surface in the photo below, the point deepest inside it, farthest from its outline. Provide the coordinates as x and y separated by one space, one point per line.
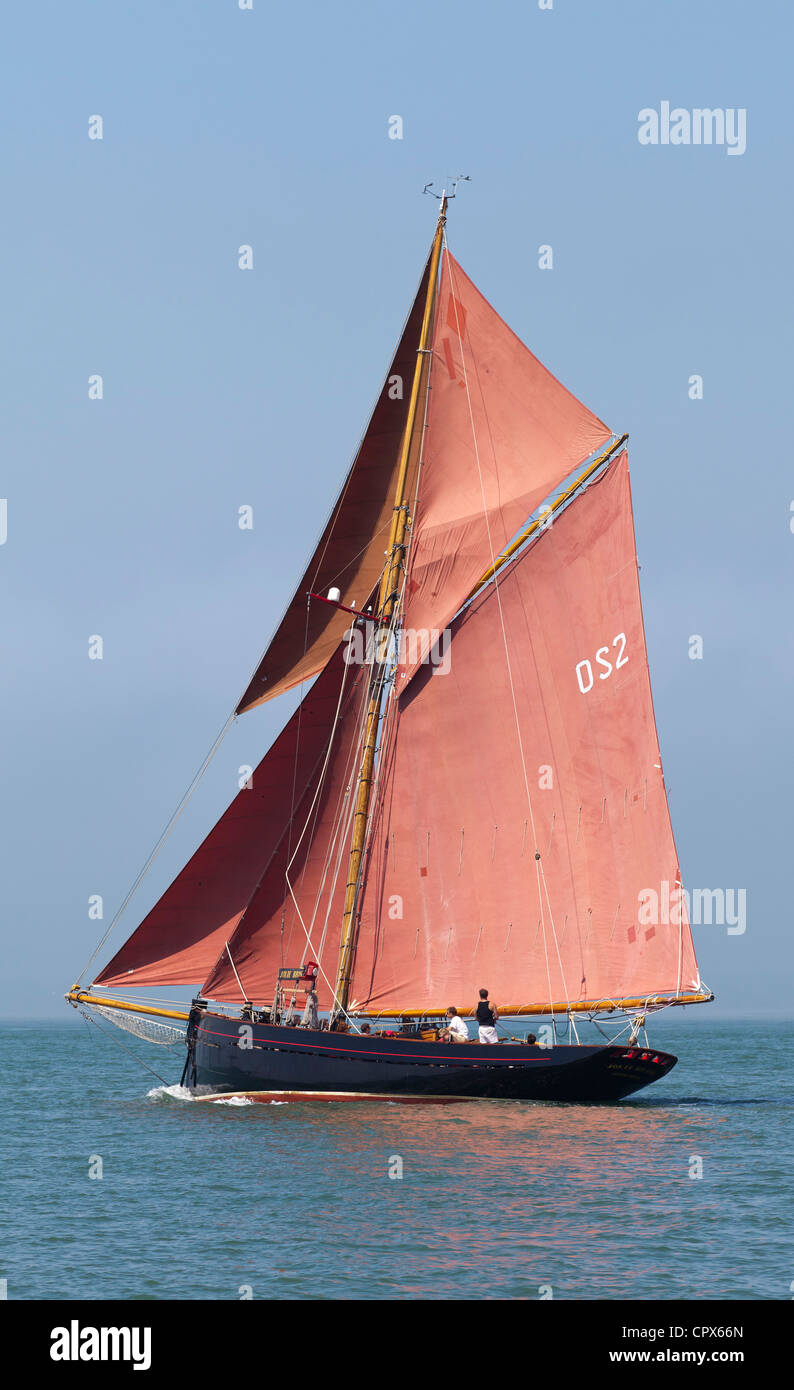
495 1200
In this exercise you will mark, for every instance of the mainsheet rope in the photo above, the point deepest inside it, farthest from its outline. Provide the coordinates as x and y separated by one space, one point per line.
539 871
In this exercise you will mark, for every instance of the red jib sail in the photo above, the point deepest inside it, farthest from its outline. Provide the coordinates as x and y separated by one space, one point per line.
349 554
182 937
295 914
530 433
544 716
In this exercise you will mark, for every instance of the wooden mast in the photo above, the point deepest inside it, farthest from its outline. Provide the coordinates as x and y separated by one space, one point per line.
388 599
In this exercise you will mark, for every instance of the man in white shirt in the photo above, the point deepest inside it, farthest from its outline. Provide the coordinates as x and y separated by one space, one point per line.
456 1030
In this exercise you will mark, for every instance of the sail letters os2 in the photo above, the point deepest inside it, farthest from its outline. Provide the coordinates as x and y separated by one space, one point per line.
418 828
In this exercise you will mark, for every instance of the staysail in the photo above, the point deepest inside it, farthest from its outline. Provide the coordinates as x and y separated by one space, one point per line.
349 554
535 736
502 434
295 914
180 940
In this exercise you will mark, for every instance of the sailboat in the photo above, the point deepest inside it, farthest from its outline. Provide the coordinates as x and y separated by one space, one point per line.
469 794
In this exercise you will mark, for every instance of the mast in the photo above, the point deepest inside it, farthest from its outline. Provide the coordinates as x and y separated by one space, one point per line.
388 599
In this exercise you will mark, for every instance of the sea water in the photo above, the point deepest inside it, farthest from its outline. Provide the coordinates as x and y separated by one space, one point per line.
116 1184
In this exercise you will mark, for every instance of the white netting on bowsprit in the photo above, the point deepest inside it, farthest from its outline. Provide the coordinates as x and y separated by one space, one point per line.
164 1034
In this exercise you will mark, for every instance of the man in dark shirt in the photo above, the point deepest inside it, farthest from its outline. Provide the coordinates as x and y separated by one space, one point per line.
487 1014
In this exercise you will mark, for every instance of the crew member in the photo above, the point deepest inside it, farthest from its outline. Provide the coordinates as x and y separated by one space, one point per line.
487 1014
456 1030
310 1018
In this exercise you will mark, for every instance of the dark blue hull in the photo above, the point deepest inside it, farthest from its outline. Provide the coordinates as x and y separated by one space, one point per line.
229 1056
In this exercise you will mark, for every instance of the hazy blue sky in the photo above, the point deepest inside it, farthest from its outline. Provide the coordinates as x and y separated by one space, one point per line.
224 387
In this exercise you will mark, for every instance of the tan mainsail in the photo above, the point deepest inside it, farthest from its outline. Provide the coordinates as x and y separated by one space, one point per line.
523 813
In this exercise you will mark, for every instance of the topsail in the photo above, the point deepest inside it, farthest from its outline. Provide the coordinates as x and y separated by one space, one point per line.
349 553
502 435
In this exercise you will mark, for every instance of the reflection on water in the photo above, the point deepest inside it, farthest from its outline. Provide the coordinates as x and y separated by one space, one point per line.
574 1197
496 1199
721 1102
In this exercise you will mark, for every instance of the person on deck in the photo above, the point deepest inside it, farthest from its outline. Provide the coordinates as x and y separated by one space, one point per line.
487 1014
310 1016
456 1030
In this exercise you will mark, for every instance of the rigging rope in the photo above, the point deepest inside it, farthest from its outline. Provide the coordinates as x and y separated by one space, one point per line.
151 1030
334 512
340 830
164 836
540 874
297 746
390 694
314 802
90 1019
343 821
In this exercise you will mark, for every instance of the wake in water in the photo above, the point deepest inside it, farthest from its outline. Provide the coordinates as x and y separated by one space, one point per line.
170 1093
165 1093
